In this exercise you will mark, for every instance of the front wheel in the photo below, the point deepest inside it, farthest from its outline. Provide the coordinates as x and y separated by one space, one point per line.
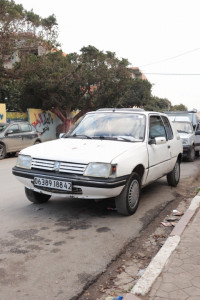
2 151
36 197
127 202
174 176
191 155
197 153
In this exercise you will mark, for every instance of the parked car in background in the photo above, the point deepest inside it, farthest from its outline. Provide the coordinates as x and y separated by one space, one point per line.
109 153
16 136
190 136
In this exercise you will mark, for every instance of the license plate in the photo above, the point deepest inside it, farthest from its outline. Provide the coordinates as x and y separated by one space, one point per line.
53 184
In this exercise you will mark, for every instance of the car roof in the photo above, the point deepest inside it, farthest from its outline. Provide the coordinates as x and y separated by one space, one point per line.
120 109
127 110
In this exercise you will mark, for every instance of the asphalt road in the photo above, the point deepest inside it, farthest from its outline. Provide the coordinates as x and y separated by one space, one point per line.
52 251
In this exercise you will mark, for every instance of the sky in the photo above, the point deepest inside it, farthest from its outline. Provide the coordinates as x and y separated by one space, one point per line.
161 37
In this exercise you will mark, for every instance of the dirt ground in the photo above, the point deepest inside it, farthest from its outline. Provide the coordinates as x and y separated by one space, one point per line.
125 270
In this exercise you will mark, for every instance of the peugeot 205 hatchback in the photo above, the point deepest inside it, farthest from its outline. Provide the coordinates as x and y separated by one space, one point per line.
109 153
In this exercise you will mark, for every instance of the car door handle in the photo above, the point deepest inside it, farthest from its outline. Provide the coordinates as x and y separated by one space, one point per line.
168 146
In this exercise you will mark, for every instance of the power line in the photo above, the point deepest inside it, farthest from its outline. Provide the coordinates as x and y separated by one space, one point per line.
169 58
173 74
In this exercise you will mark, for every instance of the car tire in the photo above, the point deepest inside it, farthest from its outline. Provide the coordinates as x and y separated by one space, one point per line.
197 153
36 197
11 154
2 151
174 176
127 202
191 155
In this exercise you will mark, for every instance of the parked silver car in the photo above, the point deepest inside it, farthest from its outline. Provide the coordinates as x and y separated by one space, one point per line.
16 136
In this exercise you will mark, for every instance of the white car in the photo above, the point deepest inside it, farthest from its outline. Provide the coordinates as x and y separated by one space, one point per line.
109 153
190 138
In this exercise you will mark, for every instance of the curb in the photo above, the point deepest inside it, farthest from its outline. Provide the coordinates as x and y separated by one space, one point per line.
157 264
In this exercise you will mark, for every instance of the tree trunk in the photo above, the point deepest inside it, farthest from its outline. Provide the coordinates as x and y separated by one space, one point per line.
67 122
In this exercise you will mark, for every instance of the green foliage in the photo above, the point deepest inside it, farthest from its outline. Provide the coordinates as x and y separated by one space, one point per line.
157 104
20 32
138 93
16 23
197 190
180 107
86 81
83 81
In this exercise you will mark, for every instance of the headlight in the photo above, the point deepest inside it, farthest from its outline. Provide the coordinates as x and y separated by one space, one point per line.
100 170
185 141
24 161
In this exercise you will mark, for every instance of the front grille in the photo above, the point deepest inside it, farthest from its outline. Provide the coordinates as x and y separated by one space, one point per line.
64 167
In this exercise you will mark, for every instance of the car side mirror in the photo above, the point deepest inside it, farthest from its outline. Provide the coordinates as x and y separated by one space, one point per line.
160 140
9 132
157 140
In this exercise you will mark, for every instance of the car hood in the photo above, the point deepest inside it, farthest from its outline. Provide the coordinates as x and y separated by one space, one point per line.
185 135
80 150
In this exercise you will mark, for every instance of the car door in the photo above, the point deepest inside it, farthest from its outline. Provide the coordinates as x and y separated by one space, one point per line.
13 138
159 153
28 136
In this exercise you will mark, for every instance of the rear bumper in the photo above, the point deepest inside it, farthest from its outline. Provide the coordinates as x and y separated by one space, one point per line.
82 187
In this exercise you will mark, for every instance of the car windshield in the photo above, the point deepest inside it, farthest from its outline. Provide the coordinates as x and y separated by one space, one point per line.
3 127
184 127
114 126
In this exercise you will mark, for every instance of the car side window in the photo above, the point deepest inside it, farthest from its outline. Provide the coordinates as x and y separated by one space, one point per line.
25 127
168 128
14 128
157 128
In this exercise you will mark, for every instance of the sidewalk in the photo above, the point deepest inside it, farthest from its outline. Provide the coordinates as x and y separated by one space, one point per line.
174 273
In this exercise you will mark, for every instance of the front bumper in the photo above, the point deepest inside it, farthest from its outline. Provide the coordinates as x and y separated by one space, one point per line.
82 187
186 150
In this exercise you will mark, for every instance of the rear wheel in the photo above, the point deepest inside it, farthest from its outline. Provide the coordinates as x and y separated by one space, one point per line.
2 151
36 197
174 176
127 202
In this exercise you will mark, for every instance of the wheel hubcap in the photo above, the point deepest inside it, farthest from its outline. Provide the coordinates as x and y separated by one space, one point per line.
133 194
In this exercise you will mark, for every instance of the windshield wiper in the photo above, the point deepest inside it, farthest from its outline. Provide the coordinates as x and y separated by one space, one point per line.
128 138
81 136
182 131
105 137
117 138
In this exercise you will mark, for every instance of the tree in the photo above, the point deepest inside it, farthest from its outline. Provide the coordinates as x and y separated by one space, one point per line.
16 23
85 81
138 93
179 107
20 32
157 104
